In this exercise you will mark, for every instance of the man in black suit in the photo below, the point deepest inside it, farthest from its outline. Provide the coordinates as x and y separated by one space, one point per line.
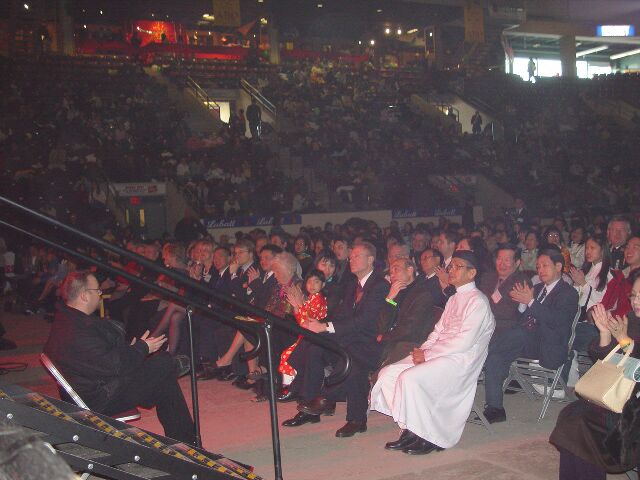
618 233
354 328
544 333
497 285
111 374
407 318
243 260
430 260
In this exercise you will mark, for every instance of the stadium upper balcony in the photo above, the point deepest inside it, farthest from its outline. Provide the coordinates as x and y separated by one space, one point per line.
216 73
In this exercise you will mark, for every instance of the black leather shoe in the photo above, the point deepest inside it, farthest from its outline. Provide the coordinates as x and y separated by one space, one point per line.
286 395
406 438
421 447
301 419
349 429
494 415
318 406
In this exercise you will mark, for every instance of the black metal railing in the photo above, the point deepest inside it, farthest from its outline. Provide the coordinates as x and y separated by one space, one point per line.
228 309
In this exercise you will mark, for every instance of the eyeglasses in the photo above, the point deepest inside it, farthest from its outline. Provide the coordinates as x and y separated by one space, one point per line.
99 291
455 266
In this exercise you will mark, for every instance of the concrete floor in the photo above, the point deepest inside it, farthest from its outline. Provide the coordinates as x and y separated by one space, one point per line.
240 429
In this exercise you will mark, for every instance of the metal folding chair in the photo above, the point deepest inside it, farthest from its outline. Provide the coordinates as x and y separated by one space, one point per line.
477 418
528 373
129 415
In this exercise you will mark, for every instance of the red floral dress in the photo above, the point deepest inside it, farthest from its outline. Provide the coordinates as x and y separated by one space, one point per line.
315 307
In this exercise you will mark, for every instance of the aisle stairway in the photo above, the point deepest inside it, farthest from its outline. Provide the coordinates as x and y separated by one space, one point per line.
199 118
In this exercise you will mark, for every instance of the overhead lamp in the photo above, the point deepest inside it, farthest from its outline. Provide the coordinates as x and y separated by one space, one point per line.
359 42
101 12
379 10
208 17
263 21
413 30
624 54
26 6
589 51
320 5
399 31
372 42
387 31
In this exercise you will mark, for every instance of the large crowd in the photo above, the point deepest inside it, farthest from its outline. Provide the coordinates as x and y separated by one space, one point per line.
390 295
307 280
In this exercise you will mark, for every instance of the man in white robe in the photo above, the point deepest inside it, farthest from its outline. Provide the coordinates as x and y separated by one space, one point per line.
430 392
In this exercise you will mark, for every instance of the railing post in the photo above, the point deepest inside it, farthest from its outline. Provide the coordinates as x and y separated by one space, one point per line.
273 406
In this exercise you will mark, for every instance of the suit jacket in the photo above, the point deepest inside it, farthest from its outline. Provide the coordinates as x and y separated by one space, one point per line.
356 324
407 325
506 310
261 289
92 354
239 283
439 298
554 319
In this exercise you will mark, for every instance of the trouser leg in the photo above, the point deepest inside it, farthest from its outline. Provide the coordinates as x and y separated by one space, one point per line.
501 353
155 383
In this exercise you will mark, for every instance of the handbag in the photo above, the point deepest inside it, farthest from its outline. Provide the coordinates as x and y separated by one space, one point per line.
605 384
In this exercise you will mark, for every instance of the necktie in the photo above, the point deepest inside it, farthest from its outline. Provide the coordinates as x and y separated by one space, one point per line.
359 292
542 295
500 280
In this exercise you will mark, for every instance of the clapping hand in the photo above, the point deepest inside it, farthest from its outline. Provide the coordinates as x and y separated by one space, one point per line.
294 296
599 315
252 274
618 327
577 276
521 293
418 356
443 277
153 343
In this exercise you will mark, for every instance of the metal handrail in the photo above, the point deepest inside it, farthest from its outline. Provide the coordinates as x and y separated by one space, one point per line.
223 299
270 320
262 100
201 94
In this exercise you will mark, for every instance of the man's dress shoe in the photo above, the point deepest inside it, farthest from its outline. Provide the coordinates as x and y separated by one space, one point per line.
301 419
318 406
494 414
421 447
351 428
406 438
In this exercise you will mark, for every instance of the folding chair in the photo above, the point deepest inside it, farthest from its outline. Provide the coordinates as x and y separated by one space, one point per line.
477 418
527 372
127 416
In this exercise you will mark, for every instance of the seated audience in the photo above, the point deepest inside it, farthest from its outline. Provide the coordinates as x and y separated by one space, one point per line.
544 333
430 393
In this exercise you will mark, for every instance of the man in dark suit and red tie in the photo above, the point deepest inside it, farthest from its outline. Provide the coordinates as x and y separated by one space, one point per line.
354 328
